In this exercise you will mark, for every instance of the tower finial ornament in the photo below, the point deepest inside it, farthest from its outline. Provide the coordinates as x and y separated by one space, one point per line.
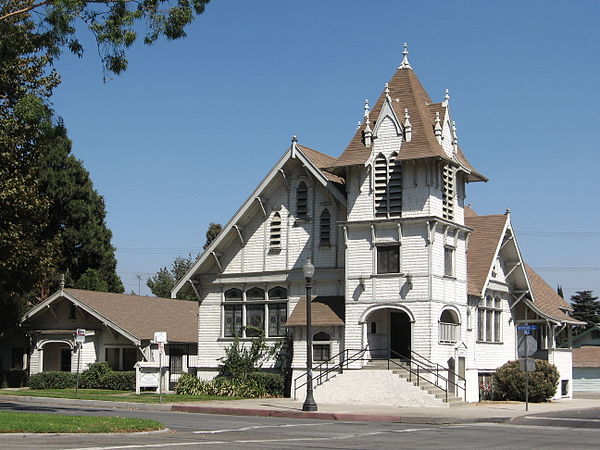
367 132
446 98
437 129
454 135
405 64
366 116
387 92
407 126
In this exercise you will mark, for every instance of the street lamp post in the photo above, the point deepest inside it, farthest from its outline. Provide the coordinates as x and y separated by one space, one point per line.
309 404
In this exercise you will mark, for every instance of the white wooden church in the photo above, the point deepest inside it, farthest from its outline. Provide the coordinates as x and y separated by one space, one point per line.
406 274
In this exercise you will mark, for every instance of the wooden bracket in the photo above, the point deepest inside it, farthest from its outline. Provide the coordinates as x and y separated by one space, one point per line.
262 206
216 256
239 233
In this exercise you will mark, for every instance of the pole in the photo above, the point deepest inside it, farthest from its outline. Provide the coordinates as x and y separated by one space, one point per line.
525 334
78 362
309 403
160 373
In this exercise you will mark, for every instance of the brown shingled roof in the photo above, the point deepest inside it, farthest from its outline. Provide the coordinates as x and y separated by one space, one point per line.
325 311
547 300
321 160
406 88
588 356
142 316
483 242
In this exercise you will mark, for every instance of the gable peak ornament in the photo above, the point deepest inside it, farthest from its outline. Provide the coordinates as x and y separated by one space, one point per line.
446 98
405 64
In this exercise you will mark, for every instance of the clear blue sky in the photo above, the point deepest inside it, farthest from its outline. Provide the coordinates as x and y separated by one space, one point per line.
184 136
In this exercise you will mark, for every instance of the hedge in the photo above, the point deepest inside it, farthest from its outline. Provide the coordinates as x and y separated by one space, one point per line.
13 378
256 385
52 380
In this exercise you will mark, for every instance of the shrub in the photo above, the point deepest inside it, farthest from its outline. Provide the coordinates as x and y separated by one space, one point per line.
220 386
509 382
13 378
272 383
189 385
52 380
121 381
92 377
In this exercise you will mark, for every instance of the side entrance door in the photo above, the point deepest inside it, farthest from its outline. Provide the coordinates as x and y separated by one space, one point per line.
400 334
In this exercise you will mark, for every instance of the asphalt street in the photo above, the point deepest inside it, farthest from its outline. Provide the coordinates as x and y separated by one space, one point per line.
567 429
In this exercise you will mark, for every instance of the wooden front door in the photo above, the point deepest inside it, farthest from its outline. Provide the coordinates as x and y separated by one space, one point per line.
400 334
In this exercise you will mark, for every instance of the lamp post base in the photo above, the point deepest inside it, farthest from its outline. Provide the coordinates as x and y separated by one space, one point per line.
309 406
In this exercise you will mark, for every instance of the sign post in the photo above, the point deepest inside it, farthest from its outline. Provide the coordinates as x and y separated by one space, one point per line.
79 340
160 337
525 362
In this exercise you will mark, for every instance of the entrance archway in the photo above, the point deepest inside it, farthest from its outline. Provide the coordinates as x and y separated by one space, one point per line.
388 332
56 356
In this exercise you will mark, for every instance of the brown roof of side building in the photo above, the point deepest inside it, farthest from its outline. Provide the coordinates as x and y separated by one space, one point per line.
142 316
407 92
588 356
322 161
325 311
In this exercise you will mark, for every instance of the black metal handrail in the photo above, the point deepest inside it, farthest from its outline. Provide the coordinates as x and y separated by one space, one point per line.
322 372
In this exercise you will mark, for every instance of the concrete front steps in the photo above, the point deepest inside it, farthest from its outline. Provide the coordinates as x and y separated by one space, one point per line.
376 385
399 368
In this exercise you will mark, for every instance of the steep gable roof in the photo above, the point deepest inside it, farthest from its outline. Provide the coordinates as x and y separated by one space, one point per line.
135 315
483 245
407 92
588 356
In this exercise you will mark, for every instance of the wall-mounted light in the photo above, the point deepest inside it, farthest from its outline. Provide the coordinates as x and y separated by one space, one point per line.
409 282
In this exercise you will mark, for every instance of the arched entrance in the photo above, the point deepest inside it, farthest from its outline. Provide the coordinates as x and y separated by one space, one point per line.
56 356
388 332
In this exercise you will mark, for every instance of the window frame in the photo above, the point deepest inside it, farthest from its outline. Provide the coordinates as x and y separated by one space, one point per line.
380 270
489 320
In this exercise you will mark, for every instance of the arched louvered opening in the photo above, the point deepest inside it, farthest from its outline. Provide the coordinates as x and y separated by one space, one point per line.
448 191
321 346
395 186
233 294
449 327
381 182
325 229
275 232
302 201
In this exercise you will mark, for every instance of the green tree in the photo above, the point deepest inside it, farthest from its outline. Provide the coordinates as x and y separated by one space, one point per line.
114 23
559 291
165 279
586 307
213 231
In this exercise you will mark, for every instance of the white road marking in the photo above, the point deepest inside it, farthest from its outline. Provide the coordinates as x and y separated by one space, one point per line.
257 427
568 419
259 441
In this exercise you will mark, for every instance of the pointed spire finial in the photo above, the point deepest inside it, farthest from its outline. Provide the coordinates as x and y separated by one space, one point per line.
387 92
358 125
62 281
405 64
294 139
366 116
437 129
454 135
446 98
407 126
367 132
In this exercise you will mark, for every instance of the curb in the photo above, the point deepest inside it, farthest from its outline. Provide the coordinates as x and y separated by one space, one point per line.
50 401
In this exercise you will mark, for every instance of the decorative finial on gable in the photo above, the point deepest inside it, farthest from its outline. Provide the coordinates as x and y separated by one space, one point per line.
437 129
405 64
367 132
62 281
358 125
454 135
446 98
387 93
407 126
294 139
507 212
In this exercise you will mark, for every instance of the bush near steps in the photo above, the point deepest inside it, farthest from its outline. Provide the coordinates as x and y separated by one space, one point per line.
509 382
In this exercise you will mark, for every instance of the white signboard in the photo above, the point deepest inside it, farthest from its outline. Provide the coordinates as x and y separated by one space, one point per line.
160 337
80 335
149 378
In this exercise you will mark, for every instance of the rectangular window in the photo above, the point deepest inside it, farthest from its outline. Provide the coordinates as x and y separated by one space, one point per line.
277 319
448 261
388 259
255 320
321 352
233 320
129 358
113 356
489 317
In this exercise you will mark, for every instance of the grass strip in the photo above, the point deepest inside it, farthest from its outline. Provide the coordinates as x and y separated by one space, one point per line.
21 422
113 396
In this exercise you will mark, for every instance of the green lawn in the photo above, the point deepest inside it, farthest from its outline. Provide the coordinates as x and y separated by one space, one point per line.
19 422
114 396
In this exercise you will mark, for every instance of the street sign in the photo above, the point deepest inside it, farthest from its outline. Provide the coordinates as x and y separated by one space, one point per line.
526 329
160 337
80 335
527 365
527 346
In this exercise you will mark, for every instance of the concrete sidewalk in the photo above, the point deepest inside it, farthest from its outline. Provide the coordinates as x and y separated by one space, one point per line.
283 407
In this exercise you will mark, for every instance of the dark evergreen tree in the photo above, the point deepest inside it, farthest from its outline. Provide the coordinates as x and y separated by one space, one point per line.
559 291
586 307
213 231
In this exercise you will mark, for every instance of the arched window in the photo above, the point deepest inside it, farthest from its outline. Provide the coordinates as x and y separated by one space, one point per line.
321 346
302 201
277 293
275 232
233 294
325 229
449 327
255 293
